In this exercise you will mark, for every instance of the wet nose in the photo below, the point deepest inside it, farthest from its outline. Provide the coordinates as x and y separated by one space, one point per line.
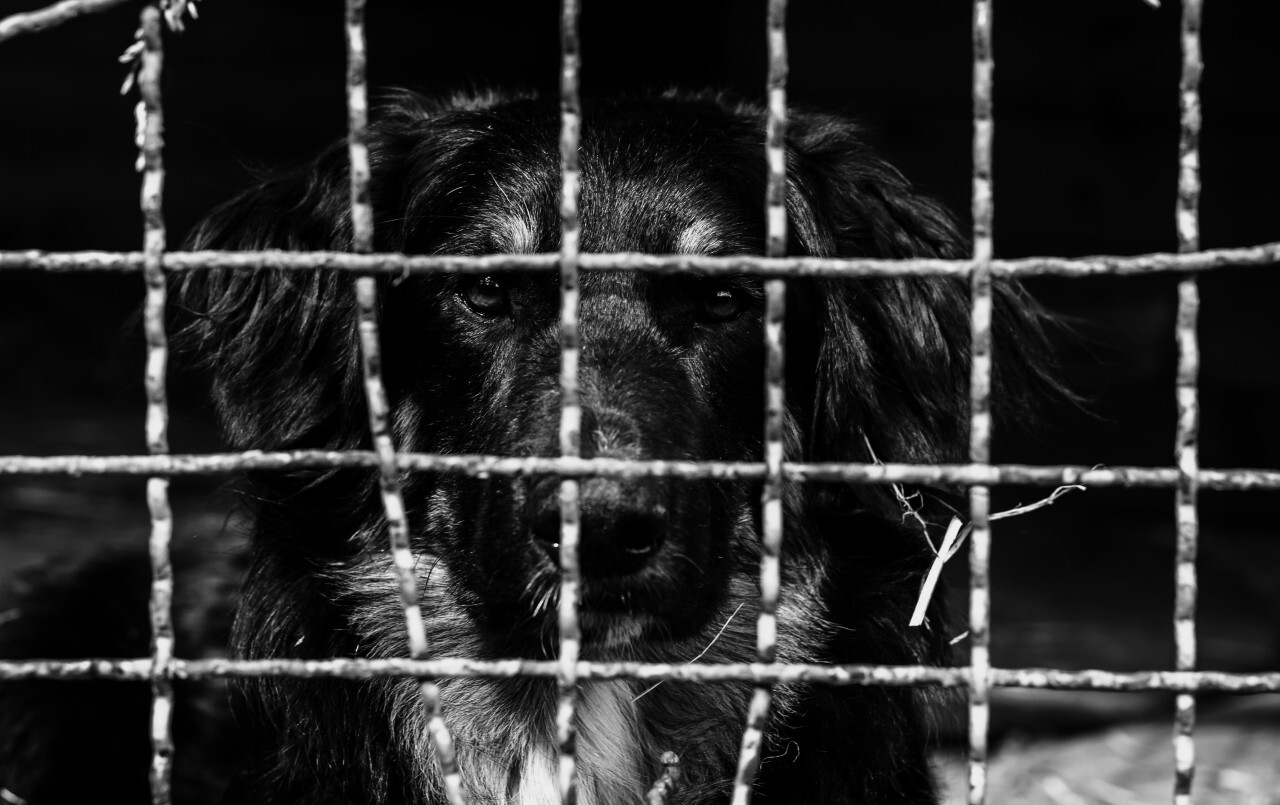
623 526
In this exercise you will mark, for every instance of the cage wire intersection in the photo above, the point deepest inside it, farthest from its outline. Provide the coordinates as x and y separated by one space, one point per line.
1186 477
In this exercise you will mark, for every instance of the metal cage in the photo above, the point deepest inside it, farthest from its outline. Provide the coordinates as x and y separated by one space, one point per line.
155 263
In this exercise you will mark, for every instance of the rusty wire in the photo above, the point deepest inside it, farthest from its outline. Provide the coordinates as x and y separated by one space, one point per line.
980 406
1241 479
366 291
30 22
1266 254
776 673
665 786
570 404
771 509
1188 402
151 201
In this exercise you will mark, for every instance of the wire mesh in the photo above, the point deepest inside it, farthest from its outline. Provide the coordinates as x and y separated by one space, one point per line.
1186 477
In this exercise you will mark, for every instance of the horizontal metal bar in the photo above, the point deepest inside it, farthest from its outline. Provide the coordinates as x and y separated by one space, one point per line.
762 673
30 22
481 466
399 264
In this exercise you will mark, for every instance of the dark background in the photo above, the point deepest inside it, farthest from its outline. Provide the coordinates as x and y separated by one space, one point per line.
1086 104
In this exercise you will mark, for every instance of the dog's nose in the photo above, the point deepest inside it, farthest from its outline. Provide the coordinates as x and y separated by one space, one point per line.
622 528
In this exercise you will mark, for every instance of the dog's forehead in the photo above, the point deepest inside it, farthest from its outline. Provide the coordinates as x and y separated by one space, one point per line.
684 212
631 214
647 222
648 195
702 236
656 177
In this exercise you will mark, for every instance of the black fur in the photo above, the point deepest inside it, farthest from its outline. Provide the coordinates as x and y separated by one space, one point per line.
87 741
671 368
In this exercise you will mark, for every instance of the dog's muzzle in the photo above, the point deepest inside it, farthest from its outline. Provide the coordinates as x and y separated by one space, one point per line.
623 525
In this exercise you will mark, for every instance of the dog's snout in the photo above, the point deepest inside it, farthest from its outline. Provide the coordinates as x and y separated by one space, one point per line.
623 526
609 433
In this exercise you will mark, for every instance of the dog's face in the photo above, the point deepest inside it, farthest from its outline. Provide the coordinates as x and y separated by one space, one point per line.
670 368
671 365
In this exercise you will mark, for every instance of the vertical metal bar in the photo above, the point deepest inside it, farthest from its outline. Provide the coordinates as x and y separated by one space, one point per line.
151 122
664 788
980 405
376 397
358 130
1186 455
570 405
775 308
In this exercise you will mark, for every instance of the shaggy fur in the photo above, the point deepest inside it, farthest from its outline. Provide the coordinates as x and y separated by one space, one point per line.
671 369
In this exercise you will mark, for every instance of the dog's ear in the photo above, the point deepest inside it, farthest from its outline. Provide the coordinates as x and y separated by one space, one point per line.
282 346
279 346
891 370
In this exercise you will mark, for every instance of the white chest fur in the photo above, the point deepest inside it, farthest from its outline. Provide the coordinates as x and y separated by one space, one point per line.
521 767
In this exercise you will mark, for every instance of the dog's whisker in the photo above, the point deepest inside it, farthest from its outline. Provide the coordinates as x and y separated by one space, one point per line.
702 653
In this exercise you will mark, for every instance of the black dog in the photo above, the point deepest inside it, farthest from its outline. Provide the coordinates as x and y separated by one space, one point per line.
671 369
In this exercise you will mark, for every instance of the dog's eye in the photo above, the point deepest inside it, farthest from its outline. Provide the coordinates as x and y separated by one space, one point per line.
720 302
487 296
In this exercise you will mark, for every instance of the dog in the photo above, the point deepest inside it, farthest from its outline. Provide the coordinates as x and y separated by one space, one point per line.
671 368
